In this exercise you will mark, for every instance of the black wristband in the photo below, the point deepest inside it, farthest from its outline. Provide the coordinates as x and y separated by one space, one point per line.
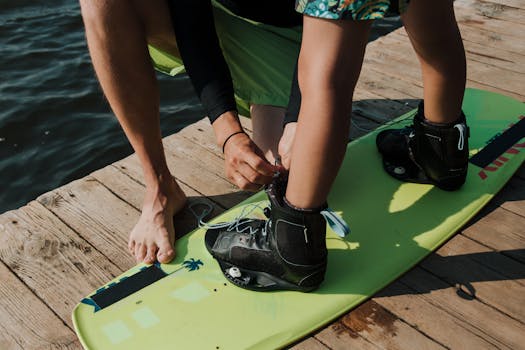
229 137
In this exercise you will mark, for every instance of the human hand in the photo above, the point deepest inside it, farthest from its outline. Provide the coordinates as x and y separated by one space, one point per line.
245 164
286 143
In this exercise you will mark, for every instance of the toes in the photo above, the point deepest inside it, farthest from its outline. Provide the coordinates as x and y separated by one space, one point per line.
140 251
131 246
166 252
150 254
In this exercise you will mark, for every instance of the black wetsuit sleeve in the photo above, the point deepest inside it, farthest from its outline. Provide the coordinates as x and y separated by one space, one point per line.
294 103
199 47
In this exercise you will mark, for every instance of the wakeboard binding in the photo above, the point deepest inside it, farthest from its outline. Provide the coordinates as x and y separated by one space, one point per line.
427 152
285 252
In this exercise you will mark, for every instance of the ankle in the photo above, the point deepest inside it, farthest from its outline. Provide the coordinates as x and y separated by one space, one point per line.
304 210
160 178
164 192
440 119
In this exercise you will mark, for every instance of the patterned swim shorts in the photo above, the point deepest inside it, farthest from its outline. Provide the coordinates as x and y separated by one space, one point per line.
350 9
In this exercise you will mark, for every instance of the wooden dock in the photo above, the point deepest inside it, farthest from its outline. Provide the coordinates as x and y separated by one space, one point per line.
470 294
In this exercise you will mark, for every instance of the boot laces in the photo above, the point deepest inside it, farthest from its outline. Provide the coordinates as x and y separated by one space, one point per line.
241 222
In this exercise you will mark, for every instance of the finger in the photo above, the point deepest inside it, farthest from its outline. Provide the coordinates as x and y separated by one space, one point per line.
244 184
253 176
260 165
285 162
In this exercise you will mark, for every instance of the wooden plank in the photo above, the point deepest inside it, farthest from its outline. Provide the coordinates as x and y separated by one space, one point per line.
519 4
463 247
466 265
104 219
122 185
514 193
493 40
379 326
371 103
508 82
512 198
433 321
386 86
483 53
309 344
387 65
483 320
480 35
59 266
500 230
131 192
494 57
398 53
97 215
25 321
467 17
337 337
493 10
185 149
193 173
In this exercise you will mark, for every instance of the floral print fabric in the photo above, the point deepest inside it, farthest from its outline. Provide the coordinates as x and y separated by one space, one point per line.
349 9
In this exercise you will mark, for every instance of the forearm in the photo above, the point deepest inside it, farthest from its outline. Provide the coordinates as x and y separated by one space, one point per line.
203 59
225 125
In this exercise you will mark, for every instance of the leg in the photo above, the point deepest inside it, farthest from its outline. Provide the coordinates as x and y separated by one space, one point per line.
117 35
329 66
267 128
289 250
435 149
441 54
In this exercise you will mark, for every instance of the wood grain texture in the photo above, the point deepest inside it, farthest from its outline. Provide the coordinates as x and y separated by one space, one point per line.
481 319
465 264
430 319
25 321
51 259
97 215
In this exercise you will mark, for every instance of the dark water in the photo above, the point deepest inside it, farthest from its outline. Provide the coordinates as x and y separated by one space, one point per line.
55 125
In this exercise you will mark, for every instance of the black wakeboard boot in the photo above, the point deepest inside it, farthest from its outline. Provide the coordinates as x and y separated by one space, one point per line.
286 252
427 152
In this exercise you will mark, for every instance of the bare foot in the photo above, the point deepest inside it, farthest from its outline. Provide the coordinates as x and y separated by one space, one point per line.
153 236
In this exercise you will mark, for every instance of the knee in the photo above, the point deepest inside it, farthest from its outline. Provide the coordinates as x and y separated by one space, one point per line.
334 82
93 13
91 10
102 15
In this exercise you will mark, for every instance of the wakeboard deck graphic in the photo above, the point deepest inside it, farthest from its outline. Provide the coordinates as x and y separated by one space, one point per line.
189 304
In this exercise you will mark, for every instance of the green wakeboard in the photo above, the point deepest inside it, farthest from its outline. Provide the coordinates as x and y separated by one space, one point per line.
188 304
